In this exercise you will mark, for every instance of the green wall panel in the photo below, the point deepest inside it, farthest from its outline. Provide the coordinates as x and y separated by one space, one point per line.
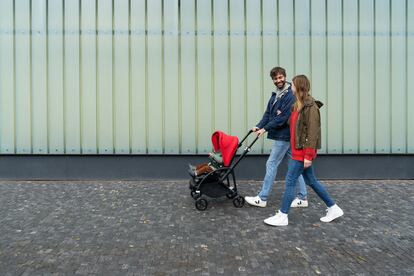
221 66
398 77
237 63
188 87
382 77
55 84
38 76
138 78
155 75
72 74
204 88
120 82
367 80
302 37
410 73
172 103
319 63
23 78
254 67
7 83
270 55
351 82
88 87
286 23
334 77
158 77
104 78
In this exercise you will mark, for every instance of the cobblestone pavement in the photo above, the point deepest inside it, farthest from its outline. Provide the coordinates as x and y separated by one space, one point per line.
153 228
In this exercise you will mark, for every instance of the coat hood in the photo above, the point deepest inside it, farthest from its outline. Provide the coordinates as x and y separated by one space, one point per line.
309 101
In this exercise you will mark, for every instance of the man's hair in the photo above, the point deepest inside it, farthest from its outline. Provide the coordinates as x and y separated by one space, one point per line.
277 71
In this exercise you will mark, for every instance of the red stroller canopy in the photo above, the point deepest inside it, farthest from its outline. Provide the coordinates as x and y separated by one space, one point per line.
225 143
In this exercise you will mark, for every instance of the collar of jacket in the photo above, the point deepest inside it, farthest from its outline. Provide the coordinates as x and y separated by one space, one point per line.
284 91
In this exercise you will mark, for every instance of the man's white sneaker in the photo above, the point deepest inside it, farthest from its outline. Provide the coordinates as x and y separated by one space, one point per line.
332 213
280 219
255 201
297 202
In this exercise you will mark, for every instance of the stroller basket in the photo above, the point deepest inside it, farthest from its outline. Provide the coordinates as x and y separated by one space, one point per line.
220 180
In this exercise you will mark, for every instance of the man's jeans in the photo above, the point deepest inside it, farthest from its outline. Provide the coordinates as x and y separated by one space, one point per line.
279 150
296 169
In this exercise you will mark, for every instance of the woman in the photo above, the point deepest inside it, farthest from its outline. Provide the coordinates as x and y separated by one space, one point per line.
305 139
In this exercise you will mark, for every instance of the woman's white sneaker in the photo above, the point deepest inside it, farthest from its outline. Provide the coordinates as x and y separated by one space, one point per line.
332 213
255 201
280 219
297 202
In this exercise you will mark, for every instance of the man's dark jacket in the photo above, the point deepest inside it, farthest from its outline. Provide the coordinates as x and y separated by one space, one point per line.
276 117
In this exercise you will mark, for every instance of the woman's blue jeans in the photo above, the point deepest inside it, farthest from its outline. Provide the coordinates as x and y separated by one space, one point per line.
296 169
279 150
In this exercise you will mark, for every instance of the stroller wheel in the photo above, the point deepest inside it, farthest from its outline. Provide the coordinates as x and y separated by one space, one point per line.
238 202
195 195
201 204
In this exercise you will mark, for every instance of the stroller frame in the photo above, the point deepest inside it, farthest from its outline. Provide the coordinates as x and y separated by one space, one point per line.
220 182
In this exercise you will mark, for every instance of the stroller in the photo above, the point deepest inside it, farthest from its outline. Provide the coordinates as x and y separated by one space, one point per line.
221 181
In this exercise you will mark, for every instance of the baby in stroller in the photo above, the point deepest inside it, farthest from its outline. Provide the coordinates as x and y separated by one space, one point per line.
216 161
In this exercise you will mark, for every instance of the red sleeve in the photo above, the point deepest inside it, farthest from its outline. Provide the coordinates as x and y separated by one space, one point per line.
310 154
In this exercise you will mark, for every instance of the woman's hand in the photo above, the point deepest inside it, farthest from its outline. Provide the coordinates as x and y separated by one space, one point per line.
307 163
254 129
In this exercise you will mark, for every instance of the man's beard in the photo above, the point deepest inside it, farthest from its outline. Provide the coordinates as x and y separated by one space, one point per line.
281 85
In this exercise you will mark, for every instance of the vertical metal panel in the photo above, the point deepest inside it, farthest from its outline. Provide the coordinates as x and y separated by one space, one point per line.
158 77
121 76
253 64
55 77
138 79
187 78
155 75
366 81
398 77
410 72
104 81
72 78
302 39
221 76
237 65
382 77
204 124
286 23
334 76
351 76
23 77
319 62
38 76
269 55
171 78
88 77
286 47
7 69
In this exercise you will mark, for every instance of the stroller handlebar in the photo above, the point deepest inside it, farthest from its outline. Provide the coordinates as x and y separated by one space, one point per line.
242 155
245 137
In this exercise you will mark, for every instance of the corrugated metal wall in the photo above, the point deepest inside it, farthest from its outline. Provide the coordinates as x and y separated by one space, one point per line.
136 76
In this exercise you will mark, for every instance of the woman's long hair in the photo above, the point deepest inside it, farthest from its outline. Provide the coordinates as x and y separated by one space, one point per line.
302 85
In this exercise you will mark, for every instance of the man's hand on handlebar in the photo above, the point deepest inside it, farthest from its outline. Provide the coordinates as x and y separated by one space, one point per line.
260 132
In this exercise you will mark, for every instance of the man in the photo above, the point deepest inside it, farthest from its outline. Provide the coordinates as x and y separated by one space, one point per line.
275 123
